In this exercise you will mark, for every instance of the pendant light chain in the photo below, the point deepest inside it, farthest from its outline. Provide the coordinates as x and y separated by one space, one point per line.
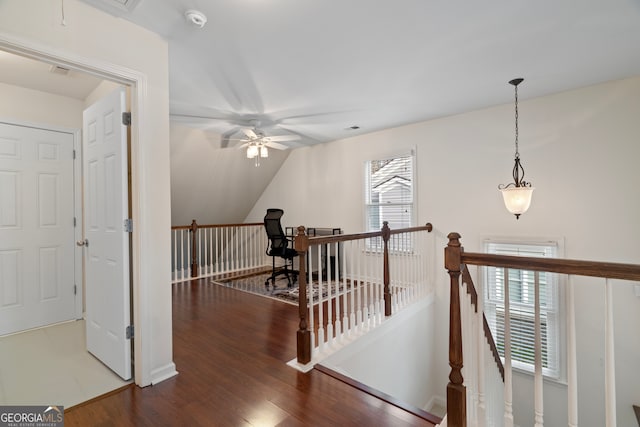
517 152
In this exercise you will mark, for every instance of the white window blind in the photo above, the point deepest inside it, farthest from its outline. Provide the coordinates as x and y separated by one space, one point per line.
522 299
389 193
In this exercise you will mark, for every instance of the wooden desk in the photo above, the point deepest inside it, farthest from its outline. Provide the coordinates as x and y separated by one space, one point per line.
327 263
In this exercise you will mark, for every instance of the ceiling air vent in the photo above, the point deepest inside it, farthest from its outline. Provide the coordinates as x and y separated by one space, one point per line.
56 69
114 7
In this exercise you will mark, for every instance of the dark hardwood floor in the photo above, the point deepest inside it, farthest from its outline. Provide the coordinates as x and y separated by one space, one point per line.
230 349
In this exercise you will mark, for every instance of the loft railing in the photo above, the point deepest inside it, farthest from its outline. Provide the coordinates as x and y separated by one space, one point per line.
349 283
462 406
207 250
484 373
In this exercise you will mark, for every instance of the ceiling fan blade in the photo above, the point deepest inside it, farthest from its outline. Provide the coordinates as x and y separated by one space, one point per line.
250 133
276 145
226 137
282 138
196 117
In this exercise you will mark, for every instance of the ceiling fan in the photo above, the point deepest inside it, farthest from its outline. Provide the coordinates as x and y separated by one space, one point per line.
258 144
246 133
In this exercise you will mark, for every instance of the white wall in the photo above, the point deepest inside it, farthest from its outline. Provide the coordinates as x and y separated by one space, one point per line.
395 357
93 38
214 185
35 107
579 148
102 90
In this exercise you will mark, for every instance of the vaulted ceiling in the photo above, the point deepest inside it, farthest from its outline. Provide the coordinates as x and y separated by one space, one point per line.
318 68
315 68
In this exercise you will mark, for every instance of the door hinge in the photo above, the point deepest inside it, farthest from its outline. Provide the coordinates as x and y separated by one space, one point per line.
129 332
126 119
74 154
75 289
74 221
128 225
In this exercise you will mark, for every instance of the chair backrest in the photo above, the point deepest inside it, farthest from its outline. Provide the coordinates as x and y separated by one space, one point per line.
274 230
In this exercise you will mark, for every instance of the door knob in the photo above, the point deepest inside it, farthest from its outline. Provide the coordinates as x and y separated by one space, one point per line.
84 242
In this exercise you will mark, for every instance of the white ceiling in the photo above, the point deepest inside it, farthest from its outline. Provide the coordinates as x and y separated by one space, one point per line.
24 72
317 67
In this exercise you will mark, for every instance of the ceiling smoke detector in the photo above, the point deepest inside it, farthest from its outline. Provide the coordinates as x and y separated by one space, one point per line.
196 18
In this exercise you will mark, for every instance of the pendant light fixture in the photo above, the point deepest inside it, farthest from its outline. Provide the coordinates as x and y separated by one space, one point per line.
517 194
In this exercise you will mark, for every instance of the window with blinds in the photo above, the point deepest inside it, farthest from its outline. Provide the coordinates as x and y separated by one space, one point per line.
389 195
521 310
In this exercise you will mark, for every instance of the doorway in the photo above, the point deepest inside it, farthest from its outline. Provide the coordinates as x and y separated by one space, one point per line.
53 195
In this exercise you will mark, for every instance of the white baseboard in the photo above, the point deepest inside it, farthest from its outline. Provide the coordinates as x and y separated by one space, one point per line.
435 401
163 373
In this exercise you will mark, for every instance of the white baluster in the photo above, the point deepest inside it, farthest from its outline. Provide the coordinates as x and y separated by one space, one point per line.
508 390
189 245
174 273
336 285
480 352
467 370
365 290
609 359
310 302
217 252
572 369
345 293
329 293
359 289
320 300
538 403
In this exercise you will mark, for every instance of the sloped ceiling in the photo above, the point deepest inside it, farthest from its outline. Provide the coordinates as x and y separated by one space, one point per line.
316 67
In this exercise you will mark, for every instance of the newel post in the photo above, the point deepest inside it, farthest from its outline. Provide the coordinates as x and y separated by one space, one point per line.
386 234
194 256
301 245
456 391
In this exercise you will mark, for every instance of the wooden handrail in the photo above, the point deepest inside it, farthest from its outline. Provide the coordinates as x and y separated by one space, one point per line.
188 227
335 238
556 265
471 288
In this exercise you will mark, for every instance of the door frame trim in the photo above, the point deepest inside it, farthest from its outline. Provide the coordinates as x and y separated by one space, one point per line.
138 84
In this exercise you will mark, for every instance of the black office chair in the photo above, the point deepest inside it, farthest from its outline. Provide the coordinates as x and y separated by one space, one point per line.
279 247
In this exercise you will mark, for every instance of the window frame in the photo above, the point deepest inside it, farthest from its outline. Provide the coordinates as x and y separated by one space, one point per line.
368 192
554 316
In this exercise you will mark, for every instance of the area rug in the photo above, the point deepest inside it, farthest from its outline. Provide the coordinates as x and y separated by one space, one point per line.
281 292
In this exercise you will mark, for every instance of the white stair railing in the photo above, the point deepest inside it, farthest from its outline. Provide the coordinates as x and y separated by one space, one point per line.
478 382
349 290
207 250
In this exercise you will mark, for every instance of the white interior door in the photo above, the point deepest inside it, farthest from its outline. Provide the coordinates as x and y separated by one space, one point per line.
104 145
36 228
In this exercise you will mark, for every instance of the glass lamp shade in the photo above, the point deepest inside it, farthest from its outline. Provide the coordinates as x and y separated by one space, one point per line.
517 199
252 151
263 151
